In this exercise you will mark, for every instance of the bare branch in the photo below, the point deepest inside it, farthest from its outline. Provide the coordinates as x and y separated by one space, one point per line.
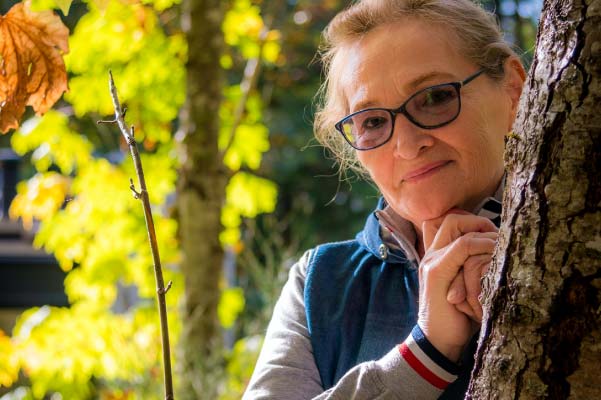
142 194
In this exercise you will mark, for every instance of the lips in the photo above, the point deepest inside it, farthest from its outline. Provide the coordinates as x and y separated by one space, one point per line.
424 171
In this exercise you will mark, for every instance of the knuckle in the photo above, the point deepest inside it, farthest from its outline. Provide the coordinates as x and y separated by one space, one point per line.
451 219
465 242
470 263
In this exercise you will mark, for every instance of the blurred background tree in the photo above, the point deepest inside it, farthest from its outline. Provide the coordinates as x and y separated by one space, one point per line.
278 193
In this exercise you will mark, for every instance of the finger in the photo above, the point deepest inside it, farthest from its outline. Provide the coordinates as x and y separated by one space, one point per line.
472 276
486 267
456 293
431 227
465 308
454 256
487 235
454 226
429 230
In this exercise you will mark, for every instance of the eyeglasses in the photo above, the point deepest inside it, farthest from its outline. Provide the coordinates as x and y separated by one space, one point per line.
430 108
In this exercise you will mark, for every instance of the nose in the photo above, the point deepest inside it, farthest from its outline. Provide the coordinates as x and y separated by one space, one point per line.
409 140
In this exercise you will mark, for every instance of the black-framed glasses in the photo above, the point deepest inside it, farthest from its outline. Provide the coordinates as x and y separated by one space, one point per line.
430 108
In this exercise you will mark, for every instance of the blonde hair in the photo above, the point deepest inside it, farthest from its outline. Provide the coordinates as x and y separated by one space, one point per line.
477 33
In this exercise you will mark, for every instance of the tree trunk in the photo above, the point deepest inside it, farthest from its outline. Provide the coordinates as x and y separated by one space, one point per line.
542 330
200 194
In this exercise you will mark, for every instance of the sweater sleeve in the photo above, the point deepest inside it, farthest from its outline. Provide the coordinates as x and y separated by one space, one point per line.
286 367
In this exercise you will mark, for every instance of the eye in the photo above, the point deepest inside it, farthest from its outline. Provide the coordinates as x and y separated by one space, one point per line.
374 123
438 97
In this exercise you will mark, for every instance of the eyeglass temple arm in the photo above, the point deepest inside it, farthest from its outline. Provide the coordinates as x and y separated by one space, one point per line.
471 78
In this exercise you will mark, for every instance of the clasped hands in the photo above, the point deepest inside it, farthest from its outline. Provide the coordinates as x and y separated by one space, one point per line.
458 251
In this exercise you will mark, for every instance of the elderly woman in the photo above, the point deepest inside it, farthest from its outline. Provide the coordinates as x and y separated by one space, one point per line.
420 95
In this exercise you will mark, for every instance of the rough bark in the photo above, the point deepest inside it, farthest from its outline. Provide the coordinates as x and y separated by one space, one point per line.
542 330
200 194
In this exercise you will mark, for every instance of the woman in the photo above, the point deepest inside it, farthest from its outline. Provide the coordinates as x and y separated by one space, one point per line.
420 95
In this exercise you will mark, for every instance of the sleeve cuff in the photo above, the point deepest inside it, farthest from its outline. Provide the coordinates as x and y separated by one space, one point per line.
427 361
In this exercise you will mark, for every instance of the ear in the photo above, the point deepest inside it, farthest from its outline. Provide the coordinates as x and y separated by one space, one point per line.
515 75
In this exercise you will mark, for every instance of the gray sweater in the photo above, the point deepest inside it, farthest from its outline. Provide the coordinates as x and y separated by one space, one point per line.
286 368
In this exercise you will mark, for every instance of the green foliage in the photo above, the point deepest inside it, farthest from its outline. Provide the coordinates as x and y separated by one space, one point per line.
246 196
251 138
40 5
52 143
107 343
39 198
148 67
230 305
62 353
103 258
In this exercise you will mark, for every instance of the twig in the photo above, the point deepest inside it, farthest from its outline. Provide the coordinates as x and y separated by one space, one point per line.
142 194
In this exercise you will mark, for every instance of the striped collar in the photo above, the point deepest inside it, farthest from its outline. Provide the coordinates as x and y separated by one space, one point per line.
397 233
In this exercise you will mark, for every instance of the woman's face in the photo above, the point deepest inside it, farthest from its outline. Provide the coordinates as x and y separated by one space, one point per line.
424 173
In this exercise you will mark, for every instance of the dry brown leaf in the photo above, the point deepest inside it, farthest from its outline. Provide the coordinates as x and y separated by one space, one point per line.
32 70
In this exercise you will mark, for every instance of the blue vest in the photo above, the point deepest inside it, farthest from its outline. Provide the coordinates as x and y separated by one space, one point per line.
361 301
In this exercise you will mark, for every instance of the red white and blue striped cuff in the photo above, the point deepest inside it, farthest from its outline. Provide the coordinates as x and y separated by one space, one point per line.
427 361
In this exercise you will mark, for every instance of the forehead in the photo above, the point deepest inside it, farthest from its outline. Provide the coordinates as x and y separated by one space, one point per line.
389 63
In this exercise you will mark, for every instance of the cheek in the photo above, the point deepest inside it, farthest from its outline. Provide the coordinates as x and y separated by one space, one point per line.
487 147
374 161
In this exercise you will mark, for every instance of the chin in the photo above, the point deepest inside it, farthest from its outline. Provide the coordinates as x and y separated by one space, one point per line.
422 211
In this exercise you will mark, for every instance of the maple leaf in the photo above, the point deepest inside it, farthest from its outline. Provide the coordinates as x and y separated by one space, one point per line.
32 70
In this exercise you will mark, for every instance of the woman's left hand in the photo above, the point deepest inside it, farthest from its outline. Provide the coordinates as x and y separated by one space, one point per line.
465 289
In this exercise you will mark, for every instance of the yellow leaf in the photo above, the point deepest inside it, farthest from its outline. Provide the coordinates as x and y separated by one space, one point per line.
249 144
64 5
251 195
9 367
39 198
230 305
32 70
271 51
43 5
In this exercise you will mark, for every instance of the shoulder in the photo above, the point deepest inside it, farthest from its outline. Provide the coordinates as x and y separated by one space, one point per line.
326 253
338 256
330 268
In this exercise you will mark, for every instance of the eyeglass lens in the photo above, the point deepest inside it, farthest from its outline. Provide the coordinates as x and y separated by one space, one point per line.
429 108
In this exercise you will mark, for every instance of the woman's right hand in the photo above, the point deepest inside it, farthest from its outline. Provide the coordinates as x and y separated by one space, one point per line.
449 242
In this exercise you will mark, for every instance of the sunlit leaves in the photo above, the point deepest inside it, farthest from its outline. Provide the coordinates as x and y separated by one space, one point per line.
246 196
128 40
248 146
62 353
251 195
52 143
9 367
109 256
251 138
41 5
109 339
244 28
32 70
161 5
108 252
231 304
39 198
160 169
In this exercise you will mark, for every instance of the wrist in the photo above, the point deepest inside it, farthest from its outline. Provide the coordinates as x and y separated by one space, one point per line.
451 351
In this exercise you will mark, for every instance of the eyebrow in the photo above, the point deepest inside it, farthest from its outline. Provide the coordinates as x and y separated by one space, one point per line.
420 79
411 87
